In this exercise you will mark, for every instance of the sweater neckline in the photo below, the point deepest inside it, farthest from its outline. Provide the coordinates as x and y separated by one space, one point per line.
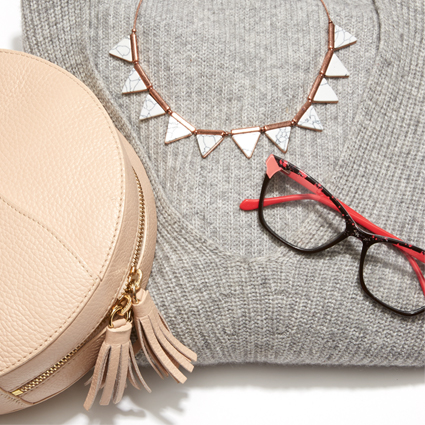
170 216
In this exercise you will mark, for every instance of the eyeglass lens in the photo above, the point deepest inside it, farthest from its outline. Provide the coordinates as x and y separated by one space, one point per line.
390 277
301 220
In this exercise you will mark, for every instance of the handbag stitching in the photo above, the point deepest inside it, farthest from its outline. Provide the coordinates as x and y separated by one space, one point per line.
112 130
84 266
14 399
114 136
97 280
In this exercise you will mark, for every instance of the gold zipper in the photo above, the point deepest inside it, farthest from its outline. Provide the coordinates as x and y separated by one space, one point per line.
133 283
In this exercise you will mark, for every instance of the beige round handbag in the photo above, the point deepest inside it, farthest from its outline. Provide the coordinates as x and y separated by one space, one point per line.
77 240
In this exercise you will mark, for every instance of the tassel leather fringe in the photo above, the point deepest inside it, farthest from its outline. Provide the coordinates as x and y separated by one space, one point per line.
164 352
115 363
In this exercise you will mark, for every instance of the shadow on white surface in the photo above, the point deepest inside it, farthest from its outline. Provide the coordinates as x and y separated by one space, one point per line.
169 396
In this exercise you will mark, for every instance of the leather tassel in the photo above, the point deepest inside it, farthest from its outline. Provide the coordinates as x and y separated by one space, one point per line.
164 352
115 363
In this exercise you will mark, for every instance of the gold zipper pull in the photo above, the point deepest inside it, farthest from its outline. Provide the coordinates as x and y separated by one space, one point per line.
134 283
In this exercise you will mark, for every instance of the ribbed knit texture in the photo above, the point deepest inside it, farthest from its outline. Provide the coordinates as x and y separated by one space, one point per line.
226 288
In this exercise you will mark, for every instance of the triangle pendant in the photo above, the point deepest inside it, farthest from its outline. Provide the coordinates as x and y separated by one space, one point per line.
122 50
280 137
150 109
208 142
325 94
343 38
134 83
310 120
336 69
176 131
247 142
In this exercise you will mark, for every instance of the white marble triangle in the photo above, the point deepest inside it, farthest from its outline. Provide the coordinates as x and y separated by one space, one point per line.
134 83
310 120
343 38
208 142
247 142
336 68
150 108
122 50
176 131
280 137
325 94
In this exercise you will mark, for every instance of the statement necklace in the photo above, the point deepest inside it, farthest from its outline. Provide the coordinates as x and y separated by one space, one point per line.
245 138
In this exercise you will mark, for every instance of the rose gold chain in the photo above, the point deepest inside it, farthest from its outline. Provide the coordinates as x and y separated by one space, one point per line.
157 97
137 13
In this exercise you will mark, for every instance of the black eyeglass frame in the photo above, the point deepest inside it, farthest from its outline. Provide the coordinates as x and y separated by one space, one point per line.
352 229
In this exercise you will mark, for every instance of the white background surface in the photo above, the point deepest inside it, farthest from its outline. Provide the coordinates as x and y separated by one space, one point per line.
249 394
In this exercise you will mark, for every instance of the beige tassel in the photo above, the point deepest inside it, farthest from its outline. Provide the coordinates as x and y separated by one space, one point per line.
115 363
163 351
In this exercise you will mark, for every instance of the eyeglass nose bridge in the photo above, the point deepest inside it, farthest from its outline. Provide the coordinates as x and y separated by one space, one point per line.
368 239
359 234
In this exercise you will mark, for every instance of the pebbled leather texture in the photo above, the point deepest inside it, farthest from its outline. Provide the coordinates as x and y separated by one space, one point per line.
149 241
69 208
74 370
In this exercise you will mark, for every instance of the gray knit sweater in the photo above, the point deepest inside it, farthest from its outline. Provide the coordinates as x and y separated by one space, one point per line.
227 289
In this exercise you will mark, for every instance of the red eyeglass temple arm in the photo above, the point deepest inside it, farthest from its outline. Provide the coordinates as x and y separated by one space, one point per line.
252 204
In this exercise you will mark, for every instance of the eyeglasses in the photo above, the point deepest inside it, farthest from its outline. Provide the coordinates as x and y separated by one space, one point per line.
390 270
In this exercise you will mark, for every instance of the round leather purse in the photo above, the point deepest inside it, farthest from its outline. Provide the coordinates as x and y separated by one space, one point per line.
77 241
